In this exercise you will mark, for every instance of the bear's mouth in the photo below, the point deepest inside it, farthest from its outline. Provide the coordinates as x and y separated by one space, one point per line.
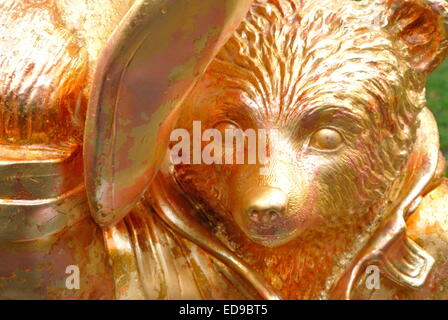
271 235
269 240
280 232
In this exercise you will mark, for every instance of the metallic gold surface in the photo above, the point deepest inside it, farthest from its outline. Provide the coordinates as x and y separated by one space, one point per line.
149 64
45 75
49 53
355 177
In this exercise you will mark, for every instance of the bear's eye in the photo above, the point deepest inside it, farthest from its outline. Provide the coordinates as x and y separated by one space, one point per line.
226 125
326 139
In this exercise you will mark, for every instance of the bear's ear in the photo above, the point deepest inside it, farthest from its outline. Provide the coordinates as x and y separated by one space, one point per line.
422 26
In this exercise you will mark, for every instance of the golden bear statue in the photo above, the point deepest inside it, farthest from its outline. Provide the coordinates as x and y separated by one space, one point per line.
118 129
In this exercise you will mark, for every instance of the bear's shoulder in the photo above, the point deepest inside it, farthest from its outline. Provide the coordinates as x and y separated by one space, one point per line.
43 73
430 221
428 227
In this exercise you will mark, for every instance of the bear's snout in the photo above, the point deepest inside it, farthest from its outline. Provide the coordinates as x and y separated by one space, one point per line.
261 213
265 206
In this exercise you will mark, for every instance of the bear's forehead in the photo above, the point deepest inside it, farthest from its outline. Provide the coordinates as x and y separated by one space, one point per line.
265 14
347 109
283 88
283 66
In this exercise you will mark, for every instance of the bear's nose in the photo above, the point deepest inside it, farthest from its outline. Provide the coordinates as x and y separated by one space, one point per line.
266 205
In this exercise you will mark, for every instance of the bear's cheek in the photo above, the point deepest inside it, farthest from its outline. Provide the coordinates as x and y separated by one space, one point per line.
344 185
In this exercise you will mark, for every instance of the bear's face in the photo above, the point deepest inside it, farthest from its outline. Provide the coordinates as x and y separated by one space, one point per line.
338 100
325 163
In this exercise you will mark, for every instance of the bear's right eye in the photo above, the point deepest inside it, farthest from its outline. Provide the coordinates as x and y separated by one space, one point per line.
226 125
326 139
228 128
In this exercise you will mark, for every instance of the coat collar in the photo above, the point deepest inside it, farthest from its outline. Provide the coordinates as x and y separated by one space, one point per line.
390 247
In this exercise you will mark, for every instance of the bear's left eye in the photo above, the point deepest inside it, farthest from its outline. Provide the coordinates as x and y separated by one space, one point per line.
326 139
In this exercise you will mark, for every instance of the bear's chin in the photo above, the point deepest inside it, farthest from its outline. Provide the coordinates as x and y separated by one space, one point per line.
270 241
